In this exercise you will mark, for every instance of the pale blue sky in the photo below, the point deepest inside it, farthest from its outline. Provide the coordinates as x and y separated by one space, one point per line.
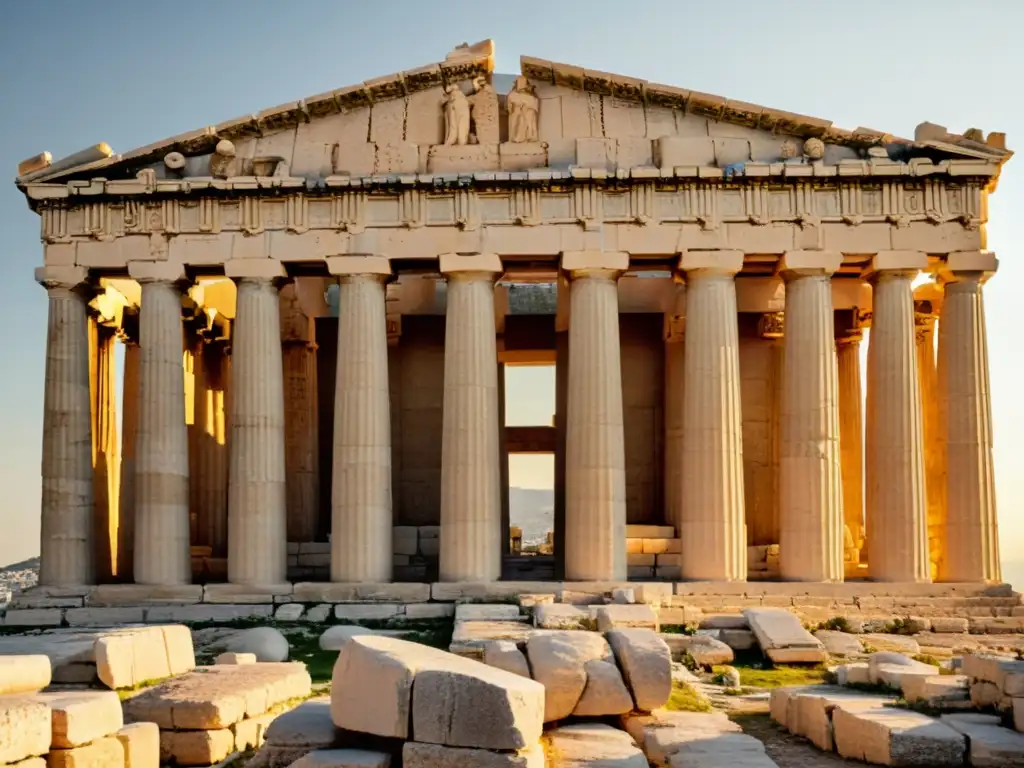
130 73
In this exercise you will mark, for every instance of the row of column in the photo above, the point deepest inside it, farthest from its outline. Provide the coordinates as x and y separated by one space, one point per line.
707 488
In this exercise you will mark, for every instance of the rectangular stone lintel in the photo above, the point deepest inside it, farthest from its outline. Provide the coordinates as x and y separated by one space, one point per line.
66 276
573 261
248 594
718 260
267 269
826 262
971 261
358 265
897 261
470 262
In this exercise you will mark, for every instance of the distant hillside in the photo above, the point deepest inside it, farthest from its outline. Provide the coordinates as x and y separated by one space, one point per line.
533 510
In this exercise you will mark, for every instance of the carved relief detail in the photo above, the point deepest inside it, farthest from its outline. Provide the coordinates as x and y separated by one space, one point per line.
851 204
209 215
466 214
641 203
526 210
348 212
297 212
55 225
523 110
252 215
410 209
707 215
97 222
757 206
589 207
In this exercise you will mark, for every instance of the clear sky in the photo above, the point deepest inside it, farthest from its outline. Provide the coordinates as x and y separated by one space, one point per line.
129 73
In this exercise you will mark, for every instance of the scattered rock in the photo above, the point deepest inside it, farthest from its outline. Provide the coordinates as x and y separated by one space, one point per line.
561 616
894 643
592 744
624 595
839 643
237 659
623 616
504 654
267 643
730 677
705 650
783 639
317 614
487 612
646 665
605 692
558 660
289 612
292 734
334 638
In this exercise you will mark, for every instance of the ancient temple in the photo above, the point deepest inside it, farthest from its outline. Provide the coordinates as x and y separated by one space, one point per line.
317 301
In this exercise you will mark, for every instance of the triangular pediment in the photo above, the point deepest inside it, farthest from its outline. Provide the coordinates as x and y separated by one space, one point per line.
396 124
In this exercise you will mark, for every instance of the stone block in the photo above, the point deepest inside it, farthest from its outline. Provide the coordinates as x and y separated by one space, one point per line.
416 611
245 594
249 733
639 560
289 612
671 151
936 690
398 157
989 744
318 592
504 654
463 159
562 616
522 156
292 734
233 658
991 668
367 611
558 661
346 758
783 638
858 673
704 649
201 613
103 753
1018 714
738 639
889 736
621 616
25 728
24 674
112 595
126 658
469 637
34 617
594 744
419 755
485 612
103 617
646 665
949 624
724 621
205 747
79 717
141 744
596 153
839 643
405 539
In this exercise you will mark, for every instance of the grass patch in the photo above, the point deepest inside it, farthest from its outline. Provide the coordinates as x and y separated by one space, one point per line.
836 624
781 676
126 693
686 698
679 629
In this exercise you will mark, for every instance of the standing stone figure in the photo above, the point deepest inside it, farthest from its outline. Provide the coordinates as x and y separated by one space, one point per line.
483 106
523 106
456 116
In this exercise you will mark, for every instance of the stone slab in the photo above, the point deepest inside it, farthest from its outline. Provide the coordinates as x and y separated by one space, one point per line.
141 743
593 744
646 665
936 690
990 746
416 611
895 643
103 753
24 674
487 612
469 637
25 728
367 611
839 643
205 747
419 755
245 594
211 698
624 616
346 758
557 660
705 650
890 736
504 654
34 617
782 638
113 595
562 616
232 657
79 717
161 614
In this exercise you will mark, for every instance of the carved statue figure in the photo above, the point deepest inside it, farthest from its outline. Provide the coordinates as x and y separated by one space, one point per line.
523 106
456 116
483 105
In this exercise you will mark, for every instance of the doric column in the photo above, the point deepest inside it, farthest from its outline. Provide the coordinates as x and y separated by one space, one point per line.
257 524
470 476
129 439
713 531
927 300
675 364
66 544
161 450
896 513
106 451
972 536
595 461
810 488
361 482
851 437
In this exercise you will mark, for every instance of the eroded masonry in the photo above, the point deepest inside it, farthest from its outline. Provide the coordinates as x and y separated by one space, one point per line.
317 301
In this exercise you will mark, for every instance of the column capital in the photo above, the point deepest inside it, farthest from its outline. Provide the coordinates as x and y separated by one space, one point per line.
599 263
796 264
62 278
968 266
269 270
156 272
363 264
464 263
723 263
906 263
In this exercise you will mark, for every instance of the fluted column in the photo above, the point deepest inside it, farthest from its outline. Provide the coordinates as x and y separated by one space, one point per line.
129 438
66 543
595 461
925 311
470 547
106 454
161 451
713 531
257 524
851 436
896 512
675 364
972 535
810 487
361 531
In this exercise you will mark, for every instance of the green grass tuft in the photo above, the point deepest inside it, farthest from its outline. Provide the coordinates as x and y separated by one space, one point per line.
686 698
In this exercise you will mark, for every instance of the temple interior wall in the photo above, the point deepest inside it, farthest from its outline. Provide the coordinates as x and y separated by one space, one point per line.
643 391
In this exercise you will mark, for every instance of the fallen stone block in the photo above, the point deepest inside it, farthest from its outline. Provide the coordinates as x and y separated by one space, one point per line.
289 612
839 643
238 659
724 621
103 753
949 625
558 661
196 747
646 665
892 675
141 744
937 690
343 758
24 674
984 694
250 733
334 638
267 643
470 637
858 673
990 745
663 742
991 668
487 612
562 616
25 728
705 650
1018 714
592 744
625 616
890 736
451 703
419 755
639 725
129 657
893 643
506 655
605 693
79 717
811 711
738 639
212 698
782 638
293 734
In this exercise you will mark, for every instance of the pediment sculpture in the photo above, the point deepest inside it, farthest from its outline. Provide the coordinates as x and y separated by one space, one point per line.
523 108
456 116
